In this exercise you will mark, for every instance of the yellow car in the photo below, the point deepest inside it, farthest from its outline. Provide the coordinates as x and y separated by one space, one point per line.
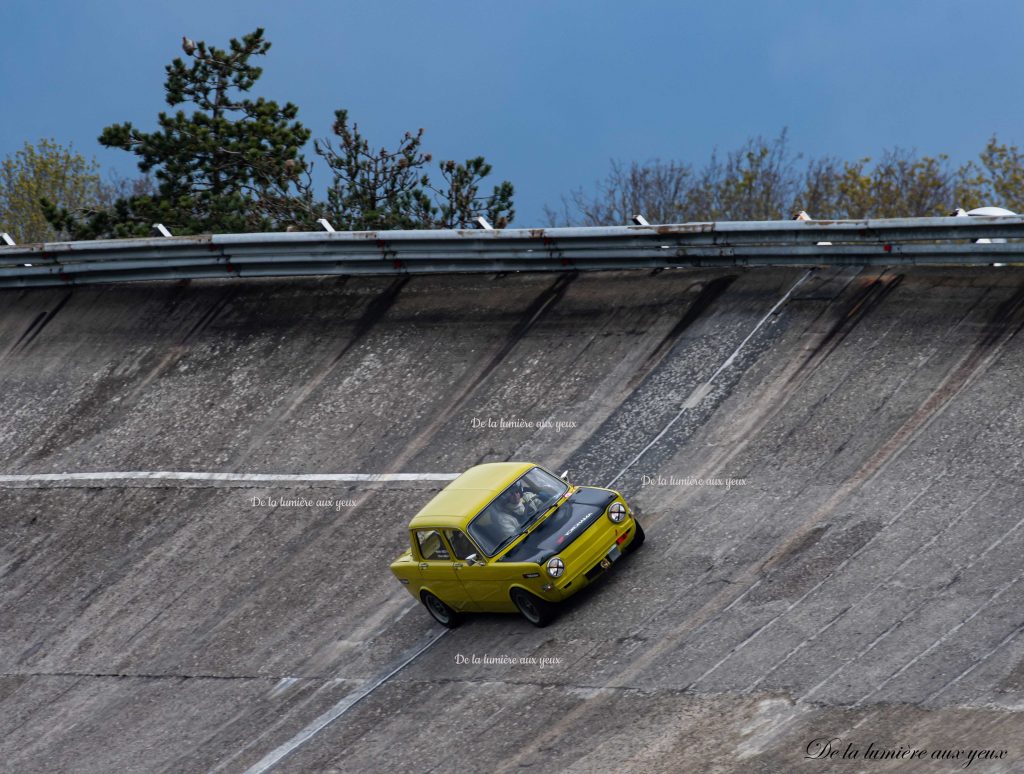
509 536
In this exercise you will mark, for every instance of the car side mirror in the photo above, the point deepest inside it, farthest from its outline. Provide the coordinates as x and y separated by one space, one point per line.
565 476
473 559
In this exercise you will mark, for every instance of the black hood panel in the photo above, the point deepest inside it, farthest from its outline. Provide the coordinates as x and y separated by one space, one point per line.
568 522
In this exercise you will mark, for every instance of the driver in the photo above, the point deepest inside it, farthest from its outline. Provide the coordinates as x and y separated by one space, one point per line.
507 515
509 509
518 501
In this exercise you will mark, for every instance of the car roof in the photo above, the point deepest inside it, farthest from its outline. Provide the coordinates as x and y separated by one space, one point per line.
467 495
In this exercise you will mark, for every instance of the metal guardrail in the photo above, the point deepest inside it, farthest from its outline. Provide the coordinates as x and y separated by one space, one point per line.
890 242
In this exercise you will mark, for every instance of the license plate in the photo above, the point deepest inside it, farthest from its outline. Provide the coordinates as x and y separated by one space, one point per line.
614 554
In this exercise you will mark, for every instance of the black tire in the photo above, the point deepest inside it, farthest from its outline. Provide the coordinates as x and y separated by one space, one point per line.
439 611
537 611
638 538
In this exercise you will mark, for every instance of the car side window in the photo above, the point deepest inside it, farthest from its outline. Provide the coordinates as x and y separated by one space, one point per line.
430 544
460 544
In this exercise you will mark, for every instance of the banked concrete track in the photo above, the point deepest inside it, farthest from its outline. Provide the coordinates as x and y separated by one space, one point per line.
864 581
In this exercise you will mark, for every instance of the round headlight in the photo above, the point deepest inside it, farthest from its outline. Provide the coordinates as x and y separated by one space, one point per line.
617 512
555 567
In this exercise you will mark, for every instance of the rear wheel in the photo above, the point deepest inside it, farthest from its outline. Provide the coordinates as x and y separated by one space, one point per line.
537 611
638 538
439 611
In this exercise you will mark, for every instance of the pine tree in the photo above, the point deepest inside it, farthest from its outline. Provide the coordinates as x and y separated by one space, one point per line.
232 164
376 189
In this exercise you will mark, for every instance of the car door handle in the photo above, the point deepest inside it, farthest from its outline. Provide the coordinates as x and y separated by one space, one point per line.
424 565
456 565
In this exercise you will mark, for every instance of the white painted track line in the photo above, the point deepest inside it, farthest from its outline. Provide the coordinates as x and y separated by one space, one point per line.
347 702
701 392
172 475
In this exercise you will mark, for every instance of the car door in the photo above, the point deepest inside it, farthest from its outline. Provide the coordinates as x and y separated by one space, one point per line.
486 583
437 570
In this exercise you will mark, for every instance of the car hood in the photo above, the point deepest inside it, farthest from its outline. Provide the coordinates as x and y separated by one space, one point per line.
566 523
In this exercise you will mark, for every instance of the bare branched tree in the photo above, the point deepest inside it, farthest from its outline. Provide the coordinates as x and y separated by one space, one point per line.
763 180
655 190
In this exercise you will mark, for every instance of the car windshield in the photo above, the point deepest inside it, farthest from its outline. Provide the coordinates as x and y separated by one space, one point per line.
531 494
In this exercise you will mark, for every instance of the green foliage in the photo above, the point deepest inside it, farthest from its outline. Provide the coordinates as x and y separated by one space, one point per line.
764 181
1003 177
899 184
377 189
374 189
460 199
231 164
755 182
48 171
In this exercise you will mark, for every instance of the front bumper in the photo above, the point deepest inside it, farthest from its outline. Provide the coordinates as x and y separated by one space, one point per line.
593 554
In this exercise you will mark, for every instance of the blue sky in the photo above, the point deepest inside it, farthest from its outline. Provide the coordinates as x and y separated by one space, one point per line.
548 91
